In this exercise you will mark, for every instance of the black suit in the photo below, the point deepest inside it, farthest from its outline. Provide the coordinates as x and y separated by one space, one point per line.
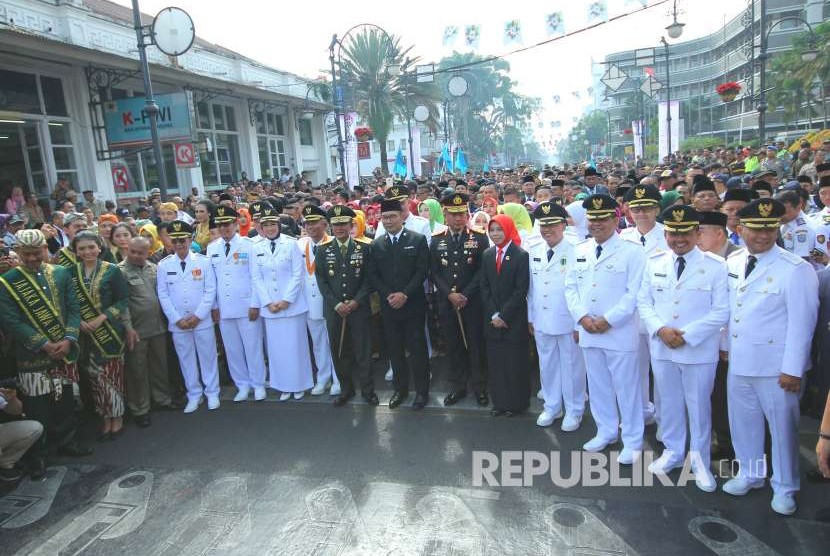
343 279
505 292
455 267
403 267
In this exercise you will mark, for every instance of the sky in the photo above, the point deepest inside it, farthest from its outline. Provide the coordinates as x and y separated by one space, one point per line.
295 36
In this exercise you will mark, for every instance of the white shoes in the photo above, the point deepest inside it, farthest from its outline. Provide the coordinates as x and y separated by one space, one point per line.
571 423
299 395
539 395
783 504
628 456
740 486
285 396
546 418
260 393
597 444
213 402
335 390
390 375
667 461
242 395
193 405
319 388
705 481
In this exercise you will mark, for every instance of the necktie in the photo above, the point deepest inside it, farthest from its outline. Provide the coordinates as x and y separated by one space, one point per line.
550 254
750 265
681 266
599 251
227 248
394 240
273 245
643 240
733 237
344 247
184 264
498 259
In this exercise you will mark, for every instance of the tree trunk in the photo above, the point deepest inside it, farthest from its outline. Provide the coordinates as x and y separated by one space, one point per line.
384 163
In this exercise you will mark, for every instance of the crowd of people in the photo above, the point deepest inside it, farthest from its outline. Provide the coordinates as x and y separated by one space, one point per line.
685 295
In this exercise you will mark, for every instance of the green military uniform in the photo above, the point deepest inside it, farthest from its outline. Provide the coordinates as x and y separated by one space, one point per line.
37 308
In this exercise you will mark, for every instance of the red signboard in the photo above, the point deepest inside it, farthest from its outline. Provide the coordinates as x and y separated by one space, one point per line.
120 178
363 150
185 155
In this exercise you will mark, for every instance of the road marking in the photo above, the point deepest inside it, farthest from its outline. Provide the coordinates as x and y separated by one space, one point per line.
582 531
31 500
727 539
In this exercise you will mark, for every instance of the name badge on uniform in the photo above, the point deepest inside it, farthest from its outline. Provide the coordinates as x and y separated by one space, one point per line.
580 260
733 275
660 275
171 273
260 254
470 244
537 259
215 255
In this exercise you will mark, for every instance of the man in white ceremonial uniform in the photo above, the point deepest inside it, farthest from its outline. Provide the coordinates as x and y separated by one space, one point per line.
684 304
187 291
798 233
315 223
601 291
561 364
773 299
644 205
237 307
278 279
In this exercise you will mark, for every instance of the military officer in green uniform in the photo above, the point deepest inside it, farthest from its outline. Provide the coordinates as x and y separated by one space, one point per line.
455 263
39 308
344 284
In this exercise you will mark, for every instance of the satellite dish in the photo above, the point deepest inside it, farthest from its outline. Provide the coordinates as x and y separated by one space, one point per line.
457 86
172 31
421 113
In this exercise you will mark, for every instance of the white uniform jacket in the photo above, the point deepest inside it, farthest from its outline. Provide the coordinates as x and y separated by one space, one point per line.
547 308
191 291
773 314
606 287
697 304
655 238
235 292
278 276
313 297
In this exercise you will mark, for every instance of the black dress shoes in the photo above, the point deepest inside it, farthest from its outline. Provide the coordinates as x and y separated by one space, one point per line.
497 412
397 399
102 437
142 421
420 402
74 450
370 398
343 398
454 397
482 399
36 469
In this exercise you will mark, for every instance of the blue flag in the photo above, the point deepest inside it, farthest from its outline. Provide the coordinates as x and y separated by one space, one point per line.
446 159
400 164
460 161
486 167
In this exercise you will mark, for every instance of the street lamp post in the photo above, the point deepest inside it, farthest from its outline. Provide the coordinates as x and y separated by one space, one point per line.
668 99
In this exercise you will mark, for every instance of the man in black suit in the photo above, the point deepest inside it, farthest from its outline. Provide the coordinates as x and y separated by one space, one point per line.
341 270
398 266
593 181
455 263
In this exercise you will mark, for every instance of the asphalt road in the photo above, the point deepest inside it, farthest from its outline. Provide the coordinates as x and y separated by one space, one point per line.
308 478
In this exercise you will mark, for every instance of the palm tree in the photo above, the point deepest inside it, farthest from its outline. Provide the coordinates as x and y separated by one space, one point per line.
378 96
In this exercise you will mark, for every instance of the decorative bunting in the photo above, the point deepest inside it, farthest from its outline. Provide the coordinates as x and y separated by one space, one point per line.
556 99
597 12
554 24
450 35
472 36
513 32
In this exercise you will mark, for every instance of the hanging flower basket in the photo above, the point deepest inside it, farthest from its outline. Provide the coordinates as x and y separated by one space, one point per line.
627 131
363 134
728 91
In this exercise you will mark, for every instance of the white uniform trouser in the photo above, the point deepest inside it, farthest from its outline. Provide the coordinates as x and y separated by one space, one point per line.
613 380
242 339
289 366
562 370
643 359
197 354
686 388
751 400
322 351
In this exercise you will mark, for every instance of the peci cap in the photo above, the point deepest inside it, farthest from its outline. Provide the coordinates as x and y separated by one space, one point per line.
736 194
391 205
712 218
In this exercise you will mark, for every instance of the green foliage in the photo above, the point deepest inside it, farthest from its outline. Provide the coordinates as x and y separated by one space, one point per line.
593 128
694 143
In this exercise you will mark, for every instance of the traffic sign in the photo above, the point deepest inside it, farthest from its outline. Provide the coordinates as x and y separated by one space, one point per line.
614 78
121 178
651 87
185 155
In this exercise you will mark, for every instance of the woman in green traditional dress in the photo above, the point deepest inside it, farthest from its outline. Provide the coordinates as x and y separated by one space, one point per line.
103 298
120 237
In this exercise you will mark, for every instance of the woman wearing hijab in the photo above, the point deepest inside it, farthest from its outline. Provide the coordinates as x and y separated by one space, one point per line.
505 279
106 222
432 211
150 232
518 214
244 221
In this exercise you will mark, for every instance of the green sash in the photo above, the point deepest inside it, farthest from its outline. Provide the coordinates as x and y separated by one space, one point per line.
105 337
40 311
66 258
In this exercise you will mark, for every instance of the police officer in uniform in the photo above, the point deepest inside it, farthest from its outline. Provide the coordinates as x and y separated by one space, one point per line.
455 262
398 266
683 304
601 291
561 364
342 276
773 298
237 306
187 291
314 221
